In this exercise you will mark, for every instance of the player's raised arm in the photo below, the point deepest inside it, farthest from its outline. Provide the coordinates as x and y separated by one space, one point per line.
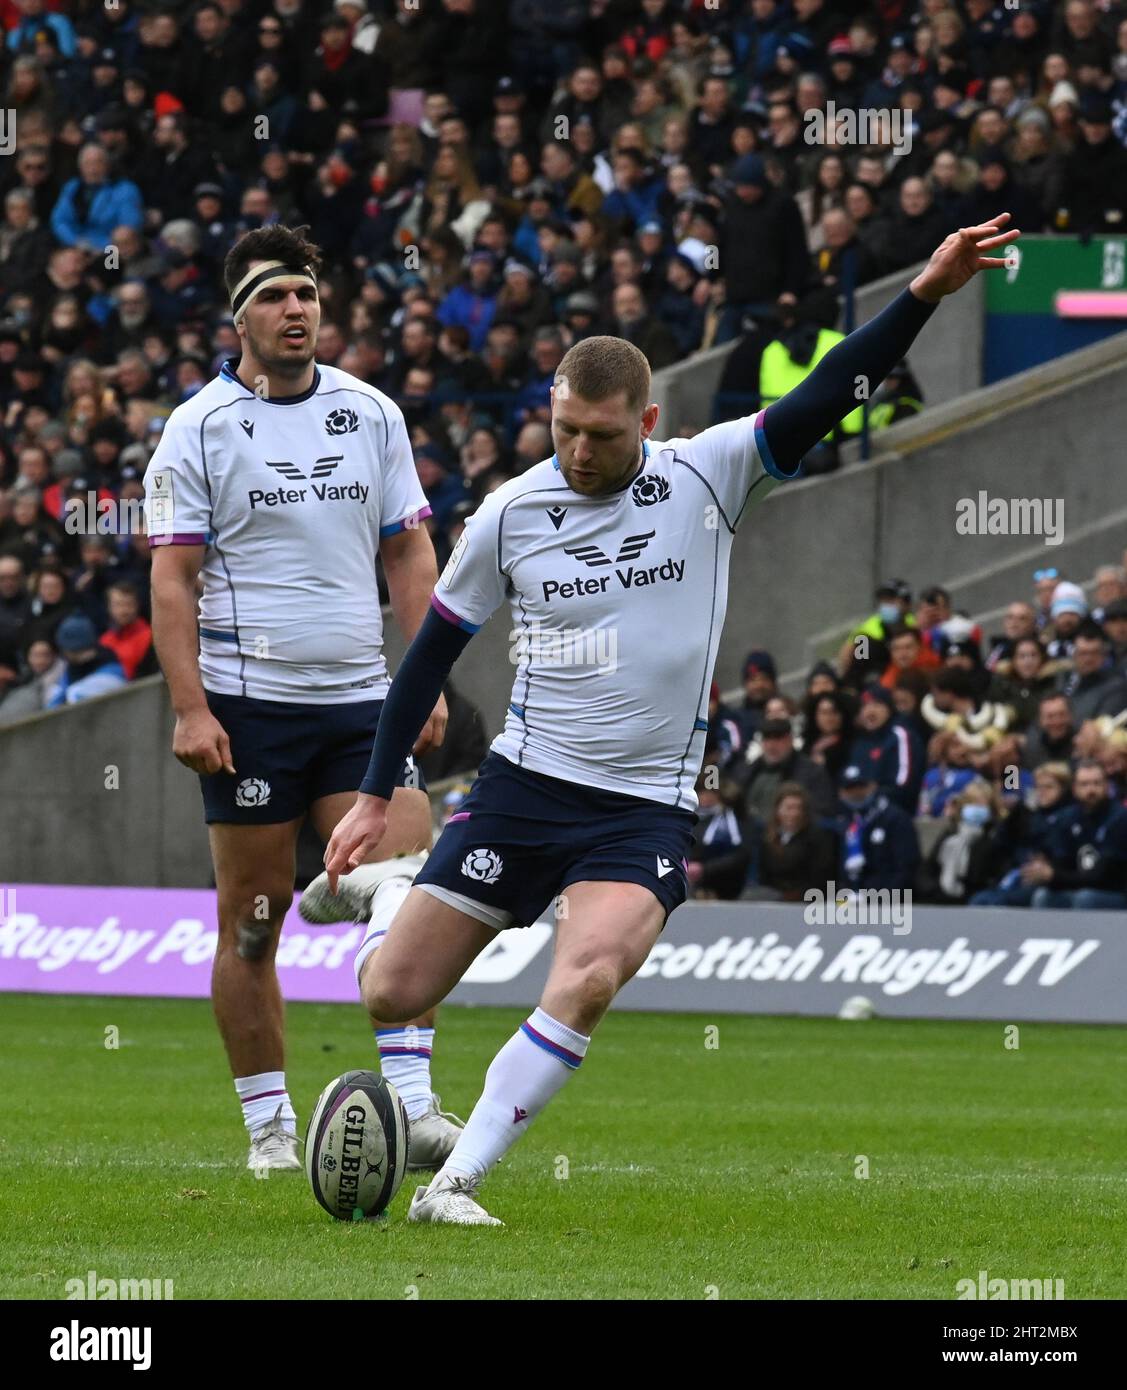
793 425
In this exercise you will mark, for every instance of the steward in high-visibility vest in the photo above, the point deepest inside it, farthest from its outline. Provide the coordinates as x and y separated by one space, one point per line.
782 367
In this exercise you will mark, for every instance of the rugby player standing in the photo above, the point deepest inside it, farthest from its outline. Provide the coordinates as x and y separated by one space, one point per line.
270 494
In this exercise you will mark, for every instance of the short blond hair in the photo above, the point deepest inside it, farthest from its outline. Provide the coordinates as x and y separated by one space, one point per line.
599 367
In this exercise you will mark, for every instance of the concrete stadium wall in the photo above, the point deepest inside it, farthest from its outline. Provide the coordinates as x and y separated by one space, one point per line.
947 357
92 794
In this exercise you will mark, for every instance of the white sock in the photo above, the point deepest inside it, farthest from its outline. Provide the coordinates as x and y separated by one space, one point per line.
521 1080
386 902
405 1062
404 1052
261 1095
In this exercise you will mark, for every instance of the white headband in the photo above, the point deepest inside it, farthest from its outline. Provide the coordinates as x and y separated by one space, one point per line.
256 280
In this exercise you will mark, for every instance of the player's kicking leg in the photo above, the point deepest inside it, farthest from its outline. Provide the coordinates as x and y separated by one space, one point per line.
428 948
601 942
373 894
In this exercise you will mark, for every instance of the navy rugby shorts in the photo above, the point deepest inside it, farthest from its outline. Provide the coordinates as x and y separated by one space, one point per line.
521 837
287 756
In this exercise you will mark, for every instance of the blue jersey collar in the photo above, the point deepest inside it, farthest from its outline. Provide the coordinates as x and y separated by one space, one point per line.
228 373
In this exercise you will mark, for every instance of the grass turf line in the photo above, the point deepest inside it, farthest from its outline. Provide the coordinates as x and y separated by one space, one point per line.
691 1171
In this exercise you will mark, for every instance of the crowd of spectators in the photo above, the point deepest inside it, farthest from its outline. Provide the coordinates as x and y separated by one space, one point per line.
489 182
1008 750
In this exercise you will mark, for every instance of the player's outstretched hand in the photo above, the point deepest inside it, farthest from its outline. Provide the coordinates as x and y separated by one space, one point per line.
434 730
356 837
201 743
960 258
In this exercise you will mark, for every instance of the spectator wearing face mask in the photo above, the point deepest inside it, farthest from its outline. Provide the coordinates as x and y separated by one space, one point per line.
877 845
966 857
720 854
949 774
1025 834
793 853
891 753
1085 864
894 603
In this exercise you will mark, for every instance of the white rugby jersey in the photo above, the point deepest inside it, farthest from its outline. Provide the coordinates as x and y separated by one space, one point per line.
617 606
291 498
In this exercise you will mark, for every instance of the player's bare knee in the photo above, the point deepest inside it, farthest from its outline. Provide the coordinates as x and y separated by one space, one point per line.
254 925
592 989
253 940
387 998
386 1005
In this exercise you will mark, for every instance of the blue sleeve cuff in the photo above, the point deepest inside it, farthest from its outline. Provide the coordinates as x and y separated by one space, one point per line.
769 464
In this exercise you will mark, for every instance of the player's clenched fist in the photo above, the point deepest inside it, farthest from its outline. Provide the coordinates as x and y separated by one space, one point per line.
201 743
356 837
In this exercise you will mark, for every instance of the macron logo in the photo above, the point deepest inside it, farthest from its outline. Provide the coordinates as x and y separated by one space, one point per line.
664 866
519 1114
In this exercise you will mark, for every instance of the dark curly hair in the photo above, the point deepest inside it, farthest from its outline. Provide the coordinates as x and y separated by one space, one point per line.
286 244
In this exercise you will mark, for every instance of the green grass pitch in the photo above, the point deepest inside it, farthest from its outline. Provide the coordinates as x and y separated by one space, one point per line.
692 1171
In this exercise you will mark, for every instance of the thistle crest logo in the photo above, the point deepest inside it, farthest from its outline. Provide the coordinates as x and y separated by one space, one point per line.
650 489
341 421
482 865
252 791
